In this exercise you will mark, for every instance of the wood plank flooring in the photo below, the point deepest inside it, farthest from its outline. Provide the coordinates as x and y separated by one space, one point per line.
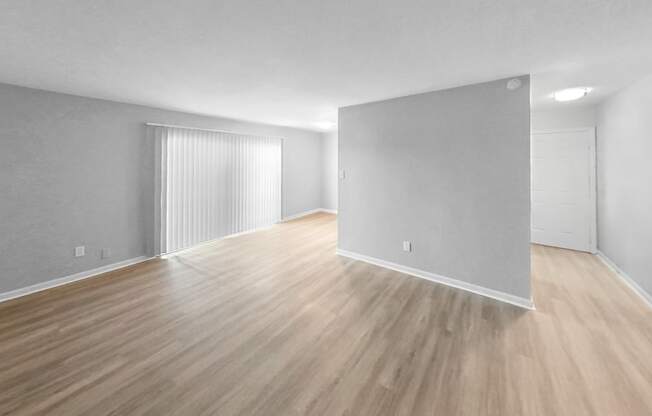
274 323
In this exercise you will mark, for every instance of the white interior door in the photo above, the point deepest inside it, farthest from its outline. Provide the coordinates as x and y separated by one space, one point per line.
563 189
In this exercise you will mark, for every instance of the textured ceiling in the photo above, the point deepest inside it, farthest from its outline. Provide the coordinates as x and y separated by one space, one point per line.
295 62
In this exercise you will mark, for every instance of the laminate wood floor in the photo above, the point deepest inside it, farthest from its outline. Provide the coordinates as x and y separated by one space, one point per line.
274 323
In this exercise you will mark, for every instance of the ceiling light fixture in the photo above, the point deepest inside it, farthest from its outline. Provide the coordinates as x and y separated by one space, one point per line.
571 94
514 84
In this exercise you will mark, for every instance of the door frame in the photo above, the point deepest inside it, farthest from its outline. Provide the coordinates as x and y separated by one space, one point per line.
593 185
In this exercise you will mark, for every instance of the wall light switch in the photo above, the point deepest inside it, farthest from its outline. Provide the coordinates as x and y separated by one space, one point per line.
80 251
106 253
342 174
407 246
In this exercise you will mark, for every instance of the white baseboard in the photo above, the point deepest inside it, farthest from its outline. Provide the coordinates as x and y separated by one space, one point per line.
469 287
309 212
625 278
69 279
299 215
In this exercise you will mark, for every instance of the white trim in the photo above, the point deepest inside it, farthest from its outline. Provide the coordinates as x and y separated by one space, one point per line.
469 287
593 188
174 126
625 278
309 212
301 214
39 287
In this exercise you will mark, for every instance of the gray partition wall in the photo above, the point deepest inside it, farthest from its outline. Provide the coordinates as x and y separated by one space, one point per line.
448 171
624 124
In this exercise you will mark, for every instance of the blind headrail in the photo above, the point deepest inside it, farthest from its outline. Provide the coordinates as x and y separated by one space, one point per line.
174 126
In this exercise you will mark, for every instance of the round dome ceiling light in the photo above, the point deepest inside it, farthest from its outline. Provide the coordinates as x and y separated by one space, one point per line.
571 94
514 84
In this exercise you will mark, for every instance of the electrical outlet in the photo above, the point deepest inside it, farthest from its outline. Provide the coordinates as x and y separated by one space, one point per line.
106 253
407 246
80 251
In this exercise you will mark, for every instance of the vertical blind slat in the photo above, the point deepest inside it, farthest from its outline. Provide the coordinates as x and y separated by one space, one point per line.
212 184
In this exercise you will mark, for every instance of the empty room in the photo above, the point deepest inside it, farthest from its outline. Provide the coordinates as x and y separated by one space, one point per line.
326 207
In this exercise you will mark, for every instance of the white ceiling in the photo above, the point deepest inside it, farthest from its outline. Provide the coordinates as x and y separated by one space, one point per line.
295 62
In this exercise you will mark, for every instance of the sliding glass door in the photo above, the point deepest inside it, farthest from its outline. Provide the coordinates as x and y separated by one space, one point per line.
212 184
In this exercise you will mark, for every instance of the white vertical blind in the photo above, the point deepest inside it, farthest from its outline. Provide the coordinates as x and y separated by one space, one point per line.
211 184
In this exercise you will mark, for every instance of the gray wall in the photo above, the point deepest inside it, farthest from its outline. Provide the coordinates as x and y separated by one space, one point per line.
448 170
624 131
76 171
329 171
